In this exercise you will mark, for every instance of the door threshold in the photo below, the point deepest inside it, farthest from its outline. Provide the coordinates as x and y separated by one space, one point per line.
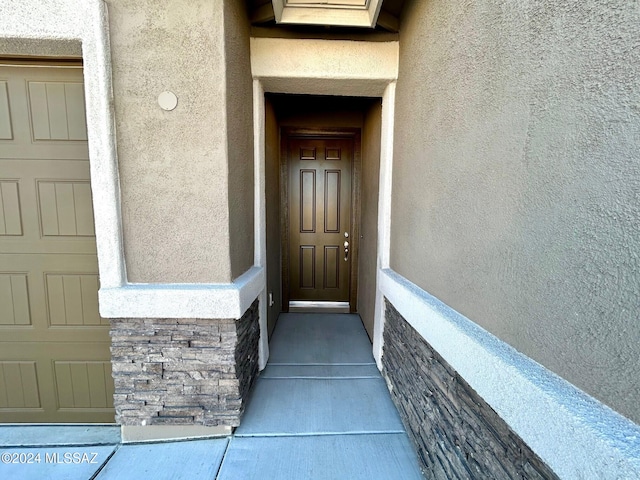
314 306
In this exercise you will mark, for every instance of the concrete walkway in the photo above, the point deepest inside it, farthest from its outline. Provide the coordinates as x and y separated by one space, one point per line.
320 410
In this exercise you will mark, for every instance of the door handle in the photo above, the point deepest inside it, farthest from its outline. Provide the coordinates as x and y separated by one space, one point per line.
346 251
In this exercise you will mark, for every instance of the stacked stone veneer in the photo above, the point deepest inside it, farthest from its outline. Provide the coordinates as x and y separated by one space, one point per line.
184 371
456 433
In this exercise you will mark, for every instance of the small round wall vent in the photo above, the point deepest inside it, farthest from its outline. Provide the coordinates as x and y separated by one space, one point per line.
167 100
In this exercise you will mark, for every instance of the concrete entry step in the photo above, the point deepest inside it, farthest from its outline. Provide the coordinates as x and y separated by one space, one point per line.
320 406
321 371
319 338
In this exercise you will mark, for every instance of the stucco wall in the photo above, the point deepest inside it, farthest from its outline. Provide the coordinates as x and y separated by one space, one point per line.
369 215
516 178
272 191
239 109
172 165
28 47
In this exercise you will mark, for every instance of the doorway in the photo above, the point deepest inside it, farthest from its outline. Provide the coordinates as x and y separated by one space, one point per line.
320 208
355 121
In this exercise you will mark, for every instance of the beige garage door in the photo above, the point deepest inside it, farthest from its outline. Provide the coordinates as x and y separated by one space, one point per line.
54 347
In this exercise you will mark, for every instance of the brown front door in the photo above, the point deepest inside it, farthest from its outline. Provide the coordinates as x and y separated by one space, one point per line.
320 247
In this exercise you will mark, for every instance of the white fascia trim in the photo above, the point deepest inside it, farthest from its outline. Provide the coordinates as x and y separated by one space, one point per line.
278 7
577 436
260 218
374 11
333 15
337 17
384 212
225 300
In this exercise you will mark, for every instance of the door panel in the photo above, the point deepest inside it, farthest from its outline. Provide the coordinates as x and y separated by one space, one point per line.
320 172
54 346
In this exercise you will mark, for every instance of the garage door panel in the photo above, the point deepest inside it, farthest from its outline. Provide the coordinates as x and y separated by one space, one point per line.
61 305
18 115
83 384
75 109
65 208
47 246
39 117
54 346
73 300
19 385
25 291
45 112
14 150
14 299
47 210
47 168
10 212
54 215
6 128
74 381
56 351
90 284
100 384
53 335
58 263
63 103
56 107
83 209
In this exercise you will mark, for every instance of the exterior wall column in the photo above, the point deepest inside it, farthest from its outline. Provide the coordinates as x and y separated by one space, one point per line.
191 371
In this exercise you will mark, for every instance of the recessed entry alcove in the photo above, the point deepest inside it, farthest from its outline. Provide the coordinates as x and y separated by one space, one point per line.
322 163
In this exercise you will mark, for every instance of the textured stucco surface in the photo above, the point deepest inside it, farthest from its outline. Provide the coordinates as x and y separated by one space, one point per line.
324 67
518 202
172 165
367 267
239 109
29 47
272 207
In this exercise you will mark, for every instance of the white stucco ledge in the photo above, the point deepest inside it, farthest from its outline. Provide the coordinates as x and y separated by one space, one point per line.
213 300
576 435
324 67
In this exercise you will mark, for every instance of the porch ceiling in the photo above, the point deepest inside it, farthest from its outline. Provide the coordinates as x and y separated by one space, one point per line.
383 14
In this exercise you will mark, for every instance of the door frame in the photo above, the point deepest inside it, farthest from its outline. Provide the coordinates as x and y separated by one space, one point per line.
356 169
